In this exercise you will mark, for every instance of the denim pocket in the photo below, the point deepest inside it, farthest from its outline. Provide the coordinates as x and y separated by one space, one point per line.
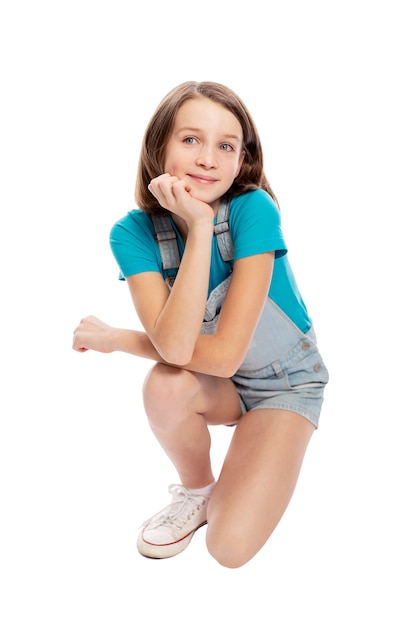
308 370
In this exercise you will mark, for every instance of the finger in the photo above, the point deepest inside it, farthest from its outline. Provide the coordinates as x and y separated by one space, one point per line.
161 180
162 189
179 188
77 346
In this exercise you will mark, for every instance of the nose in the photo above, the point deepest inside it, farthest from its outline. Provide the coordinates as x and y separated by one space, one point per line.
207 156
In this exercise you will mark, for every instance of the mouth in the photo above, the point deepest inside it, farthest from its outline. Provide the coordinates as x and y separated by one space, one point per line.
202 180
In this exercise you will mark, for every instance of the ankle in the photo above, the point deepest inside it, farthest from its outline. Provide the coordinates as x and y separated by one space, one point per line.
203 491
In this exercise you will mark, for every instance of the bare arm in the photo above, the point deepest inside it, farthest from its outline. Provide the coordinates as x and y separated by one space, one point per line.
220 354
172 320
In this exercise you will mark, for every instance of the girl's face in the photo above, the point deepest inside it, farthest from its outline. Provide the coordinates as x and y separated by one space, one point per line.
205 149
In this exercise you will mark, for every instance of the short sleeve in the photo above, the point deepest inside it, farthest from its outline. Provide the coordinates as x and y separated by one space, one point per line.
255 225
133 244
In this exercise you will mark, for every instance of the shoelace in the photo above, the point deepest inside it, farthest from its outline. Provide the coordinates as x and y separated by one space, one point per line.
179 512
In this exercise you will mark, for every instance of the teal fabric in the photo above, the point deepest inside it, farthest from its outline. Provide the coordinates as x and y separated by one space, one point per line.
255 227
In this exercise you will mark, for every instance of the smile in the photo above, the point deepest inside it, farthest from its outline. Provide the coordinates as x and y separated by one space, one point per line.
203 180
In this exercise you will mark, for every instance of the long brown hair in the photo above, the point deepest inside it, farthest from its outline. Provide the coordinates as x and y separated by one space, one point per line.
158 131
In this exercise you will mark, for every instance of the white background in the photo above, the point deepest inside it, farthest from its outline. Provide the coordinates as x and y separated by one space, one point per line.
331 86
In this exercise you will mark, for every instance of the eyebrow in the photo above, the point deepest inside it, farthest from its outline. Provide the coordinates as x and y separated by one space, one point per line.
198 130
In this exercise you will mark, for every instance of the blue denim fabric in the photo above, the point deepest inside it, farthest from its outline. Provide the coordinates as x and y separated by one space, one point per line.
283 368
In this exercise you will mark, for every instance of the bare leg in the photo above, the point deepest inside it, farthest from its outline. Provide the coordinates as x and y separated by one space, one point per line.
256 483
179 405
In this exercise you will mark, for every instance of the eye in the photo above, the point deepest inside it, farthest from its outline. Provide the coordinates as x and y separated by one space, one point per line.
190 140
226 147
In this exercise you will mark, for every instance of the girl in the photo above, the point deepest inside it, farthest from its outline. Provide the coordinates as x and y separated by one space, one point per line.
207 268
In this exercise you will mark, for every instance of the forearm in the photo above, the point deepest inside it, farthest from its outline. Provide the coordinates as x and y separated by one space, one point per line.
134 342
220 354
211 355
178 325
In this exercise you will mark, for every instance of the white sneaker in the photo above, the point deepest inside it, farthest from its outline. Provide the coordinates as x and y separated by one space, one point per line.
170 531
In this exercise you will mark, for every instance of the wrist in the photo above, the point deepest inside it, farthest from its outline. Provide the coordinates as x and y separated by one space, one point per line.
202 227
115 340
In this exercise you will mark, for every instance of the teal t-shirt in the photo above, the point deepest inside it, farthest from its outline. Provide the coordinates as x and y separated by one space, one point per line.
255 227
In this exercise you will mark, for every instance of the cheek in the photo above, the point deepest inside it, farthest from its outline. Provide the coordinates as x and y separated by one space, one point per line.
169 166
241 161
172 162
238 167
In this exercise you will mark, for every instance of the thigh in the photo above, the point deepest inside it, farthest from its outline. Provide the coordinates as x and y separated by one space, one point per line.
221 400
257 481
168 388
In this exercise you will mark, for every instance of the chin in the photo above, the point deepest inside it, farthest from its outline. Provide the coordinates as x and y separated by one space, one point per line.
203 197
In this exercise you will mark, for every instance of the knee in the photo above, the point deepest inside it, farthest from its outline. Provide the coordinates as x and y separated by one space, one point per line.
230 547
166 391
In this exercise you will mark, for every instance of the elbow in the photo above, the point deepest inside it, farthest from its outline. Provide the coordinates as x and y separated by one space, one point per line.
177 360
173 350
176 355
228 363
227 370
227 356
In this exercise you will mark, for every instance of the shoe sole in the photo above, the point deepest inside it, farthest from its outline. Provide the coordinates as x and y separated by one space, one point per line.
166 550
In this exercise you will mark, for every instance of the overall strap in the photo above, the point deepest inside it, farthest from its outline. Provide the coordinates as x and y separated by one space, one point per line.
167 241
222 232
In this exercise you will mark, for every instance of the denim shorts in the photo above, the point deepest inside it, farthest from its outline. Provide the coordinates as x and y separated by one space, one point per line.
294 383
282 369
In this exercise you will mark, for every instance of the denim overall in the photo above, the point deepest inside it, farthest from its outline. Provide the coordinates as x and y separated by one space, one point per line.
283 368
